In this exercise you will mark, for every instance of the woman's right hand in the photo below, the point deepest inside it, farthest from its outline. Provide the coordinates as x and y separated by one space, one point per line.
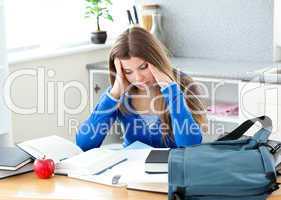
121 83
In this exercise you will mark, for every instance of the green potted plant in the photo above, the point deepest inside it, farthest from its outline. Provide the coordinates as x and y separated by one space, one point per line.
98 9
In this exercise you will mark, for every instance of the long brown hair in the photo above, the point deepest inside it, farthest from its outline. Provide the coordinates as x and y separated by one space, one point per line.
137 42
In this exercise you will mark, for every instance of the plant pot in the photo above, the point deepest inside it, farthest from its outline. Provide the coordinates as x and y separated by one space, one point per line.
98 37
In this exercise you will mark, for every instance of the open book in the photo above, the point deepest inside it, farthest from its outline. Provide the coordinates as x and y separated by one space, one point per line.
69 158
131 173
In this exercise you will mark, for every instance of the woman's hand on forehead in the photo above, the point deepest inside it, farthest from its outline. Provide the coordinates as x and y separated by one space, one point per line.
161 78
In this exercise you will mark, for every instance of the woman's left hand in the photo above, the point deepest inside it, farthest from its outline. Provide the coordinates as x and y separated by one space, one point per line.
161 78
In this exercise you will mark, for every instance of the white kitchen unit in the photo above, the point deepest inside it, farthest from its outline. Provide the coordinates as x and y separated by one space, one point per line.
256 99
59 68
99 82
252 98
220 91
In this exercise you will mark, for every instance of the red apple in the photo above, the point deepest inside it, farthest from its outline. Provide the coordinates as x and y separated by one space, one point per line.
44 168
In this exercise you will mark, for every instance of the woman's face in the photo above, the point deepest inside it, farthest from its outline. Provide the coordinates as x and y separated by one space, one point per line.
138 73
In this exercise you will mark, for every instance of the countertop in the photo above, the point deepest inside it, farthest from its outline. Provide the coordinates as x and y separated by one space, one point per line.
245 71
52 51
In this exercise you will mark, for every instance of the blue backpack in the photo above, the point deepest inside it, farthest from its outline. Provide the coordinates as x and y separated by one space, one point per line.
228 169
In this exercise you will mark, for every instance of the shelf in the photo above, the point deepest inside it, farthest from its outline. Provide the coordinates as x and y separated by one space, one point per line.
230 119
51 52
215 80
3 131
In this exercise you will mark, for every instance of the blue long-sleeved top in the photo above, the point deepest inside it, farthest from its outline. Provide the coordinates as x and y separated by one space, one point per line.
186 131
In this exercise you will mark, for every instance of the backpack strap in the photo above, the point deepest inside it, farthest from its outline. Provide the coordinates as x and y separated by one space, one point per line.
260 139
262 135
240 130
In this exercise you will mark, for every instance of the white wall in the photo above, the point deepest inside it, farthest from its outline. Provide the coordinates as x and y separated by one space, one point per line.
277 21
237 30
24 94
277 29
2 38
4 114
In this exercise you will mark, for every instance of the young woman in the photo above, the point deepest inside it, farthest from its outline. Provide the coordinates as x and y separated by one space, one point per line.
154 103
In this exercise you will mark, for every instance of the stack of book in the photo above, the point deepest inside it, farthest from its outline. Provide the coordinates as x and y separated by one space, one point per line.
14 161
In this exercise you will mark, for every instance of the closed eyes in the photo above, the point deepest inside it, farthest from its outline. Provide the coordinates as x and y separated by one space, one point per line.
127 71
141 67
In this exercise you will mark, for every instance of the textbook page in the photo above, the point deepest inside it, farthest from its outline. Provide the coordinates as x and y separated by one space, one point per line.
116 176
91 162
130 174
53 147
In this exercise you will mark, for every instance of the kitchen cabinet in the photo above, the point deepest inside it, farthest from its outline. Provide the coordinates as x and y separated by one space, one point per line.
252 98
99 82
256 99
63 71
216 91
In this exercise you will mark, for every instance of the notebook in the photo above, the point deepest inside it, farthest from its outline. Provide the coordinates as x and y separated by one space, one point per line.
13 158
138 179
69 158
25 169
157 161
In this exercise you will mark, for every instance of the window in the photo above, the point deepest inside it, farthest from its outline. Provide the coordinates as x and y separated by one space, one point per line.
4 117
41 23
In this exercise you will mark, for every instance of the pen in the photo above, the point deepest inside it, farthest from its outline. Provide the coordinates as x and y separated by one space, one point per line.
63 159
60 174
131 21
136 14
100 172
